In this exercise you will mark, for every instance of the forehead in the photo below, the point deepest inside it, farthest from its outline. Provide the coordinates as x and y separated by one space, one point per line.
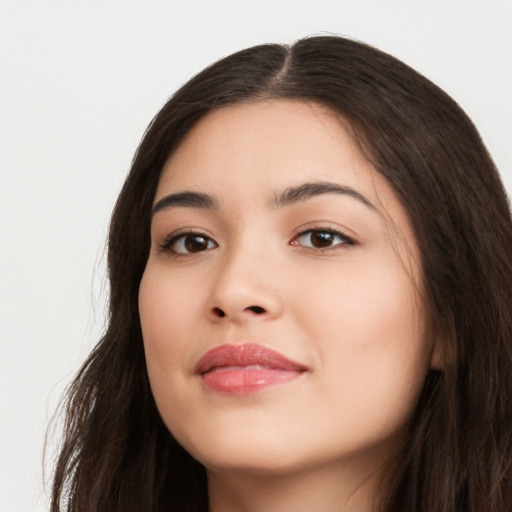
254 149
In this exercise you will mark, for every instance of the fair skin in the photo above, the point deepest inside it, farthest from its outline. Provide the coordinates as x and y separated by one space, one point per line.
326 275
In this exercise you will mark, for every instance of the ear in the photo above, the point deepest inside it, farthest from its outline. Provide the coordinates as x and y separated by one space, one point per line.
443 351
438 355
443 337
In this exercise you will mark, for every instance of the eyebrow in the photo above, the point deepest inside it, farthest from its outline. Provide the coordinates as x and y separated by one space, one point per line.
187 199
292 195
289 196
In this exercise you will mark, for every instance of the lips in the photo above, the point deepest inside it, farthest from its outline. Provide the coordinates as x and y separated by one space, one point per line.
240 369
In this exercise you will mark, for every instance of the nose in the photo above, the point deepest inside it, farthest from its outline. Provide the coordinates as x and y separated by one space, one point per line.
245 288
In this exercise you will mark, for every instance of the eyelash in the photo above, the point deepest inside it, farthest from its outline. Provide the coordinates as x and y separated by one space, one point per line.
345 240
167 245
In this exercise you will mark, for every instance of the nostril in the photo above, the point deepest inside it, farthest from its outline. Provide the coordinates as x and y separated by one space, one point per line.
256 309
218 312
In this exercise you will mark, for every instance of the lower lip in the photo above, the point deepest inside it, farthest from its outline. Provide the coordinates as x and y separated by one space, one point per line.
240 381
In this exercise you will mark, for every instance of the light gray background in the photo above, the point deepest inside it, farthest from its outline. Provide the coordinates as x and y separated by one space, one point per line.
80 80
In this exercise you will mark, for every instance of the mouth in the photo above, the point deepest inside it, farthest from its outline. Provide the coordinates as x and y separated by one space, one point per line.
241 369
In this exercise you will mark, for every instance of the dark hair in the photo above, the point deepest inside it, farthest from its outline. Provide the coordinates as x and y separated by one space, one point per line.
117 455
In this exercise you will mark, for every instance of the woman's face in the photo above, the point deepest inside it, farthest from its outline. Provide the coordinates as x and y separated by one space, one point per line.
280 309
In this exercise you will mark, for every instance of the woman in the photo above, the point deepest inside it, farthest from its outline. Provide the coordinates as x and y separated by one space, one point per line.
310 300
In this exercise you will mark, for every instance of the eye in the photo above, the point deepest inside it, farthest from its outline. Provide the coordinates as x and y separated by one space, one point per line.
322 239
188 243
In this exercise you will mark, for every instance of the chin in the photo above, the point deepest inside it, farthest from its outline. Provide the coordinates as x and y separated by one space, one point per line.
266 450
255 463
256 451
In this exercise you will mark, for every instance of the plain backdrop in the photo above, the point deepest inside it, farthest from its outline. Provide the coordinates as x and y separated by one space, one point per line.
79 82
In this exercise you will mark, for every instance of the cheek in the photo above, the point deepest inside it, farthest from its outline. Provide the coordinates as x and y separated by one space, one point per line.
166 309
367 305
167 303
369 329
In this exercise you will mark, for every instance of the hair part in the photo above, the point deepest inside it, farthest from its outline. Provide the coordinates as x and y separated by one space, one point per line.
117 454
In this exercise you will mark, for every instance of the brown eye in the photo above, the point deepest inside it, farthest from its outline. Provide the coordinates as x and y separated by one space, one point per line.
195 243
190 243
322 239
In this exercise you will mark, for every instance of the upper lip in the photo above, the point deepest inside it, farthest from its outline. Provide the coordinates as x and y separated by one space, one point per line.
248 354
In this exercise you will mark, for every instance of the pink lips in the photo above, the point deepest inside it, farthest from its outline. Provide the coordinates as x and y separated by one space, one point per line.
240 369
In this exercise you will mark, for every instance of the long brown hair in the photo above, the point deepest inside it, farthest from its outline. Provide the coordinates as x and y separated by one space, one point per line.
117 455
